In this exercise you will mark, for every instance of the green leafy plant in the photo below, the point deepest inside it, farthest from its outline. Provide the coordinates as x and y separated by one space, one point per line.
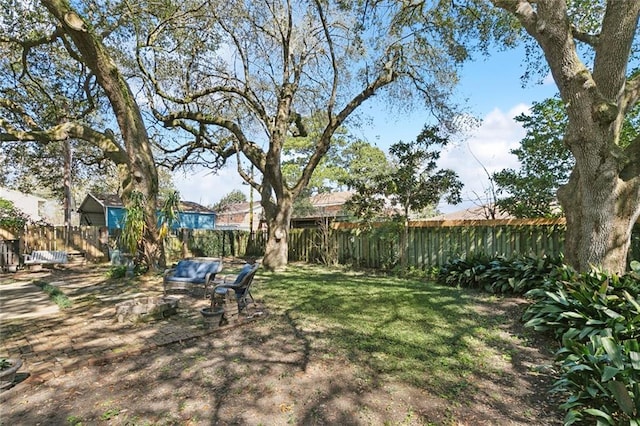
169 214
12 218
117 271
133 223
590 302
74 420
498 275
596 316
55 294
602 377
5 363
109 414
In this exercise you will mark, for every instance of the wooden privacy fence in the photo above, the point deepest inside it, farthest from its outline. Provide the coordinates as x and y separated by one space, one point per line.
213 243
430 243
84 240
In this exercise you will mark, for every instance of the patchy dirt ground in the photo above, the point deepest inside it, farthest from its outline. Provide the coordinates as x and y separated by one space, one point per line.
272 373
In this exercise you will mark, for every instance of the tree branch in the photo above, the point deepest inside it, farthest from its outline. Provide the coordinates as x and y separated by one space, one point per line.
631 94
252 151
387 76
590 39
334 65
104 141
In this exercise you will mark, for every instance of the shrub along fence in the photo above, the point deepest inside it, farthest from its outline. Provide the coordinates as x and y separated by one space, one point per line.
214 243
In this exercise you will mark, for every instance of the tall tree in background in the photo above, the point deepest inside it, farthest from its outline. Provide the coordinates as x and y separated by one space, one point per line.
233 197
412 182
38 45
588 45
238 77
297 150
545 163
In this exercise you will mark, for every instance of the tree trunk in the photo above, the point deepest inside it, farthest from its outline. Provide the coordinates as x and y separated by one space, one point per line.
142 173
278 217
601 209
602 198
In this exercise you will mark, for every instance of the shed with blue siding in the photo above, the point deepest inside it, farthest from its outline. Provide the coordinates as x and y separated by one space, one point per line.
108 210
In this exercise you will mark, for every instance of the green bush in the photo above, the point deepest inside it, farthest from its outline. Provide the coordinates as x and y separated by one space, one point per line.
587 302
597 318
498 275
117 271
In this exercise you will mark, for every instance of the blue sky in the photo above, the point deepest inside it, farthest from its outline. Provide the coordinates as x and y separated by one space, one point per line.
494 93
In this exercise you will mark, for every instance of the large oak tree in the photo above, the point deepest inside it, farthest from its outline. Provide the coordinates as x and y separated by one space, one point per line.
64 37
239 76
589 46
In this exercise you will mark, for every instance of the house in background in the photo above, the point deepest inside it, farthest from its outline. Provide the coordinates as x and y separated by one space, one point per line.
484 212
324 206
237 216
38 209
107 210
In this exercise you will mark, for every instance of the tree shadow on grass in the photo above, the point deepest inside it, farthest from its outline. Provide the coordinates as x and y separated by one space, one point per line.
337 348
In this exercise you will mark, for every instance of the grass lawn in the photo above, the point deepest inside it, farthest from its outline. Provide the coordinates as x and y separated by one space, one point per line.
336 347
422 333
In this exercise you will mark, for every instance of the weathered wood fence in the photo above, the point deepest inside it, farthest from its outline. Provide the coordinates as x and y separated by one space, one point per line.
431 243
85 240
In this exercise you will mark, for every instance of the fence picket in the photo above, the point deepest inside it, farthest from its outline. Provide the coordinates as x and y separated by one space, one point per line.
430 243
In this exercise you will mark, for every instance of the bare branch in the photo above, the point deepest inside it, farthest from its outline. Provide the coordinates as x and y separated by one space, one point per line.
387 76
252 151
334 65
631 94
19 111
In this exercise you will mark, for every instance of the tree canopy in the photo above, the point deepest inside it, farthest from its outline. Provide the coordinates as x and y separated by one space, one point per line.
238 79
545 163
411 182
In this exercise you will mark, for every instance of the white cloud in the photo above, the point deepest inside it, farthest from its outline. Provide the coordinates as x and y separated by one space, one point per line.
548 80
490 143
206 188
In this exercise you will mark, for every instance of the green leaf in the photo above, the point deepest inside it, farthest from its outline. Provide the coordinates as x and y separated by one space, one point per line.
621 394
613 350
571 417
609 373
611 313
570 314
601 414
635 360
631 299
